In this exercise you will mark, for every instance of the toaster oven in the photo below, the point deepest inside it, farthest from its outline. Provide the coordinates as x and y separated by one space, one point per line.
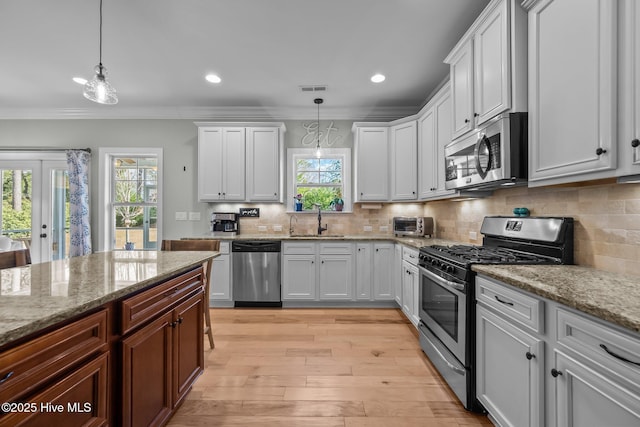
412 226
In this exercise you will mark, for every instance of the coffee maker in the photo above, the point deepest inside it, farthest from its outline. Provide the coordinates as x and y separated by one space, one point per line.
224 224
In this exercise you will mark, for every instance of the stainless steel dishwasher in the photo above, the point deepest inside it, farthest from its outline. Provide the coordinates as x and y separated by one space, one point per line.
256 273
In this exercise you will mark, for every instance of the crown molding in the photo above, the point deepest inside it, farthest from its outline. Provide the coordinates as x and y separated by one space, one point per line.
210 113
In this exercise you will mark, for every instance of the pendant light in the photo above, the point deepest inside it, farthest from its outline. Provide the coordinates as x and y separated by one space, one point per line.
98 89
318 101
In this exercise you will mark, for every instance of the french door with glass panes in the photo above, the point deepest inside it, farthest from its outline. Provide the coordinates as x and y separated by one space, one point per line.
35 203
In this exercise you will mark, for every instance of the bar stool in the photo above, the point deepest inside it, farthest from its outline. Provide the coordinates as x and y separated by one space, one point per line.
198 245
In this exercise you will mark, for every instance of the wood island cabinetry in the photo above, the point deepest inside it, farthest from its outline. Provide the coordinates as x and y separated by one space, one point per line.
129 362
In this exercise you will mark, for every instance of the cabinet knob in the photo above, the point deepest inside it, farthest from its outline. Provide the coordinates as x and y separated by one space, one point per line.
635 143
475 114
600 151
466 120
530 355
555 373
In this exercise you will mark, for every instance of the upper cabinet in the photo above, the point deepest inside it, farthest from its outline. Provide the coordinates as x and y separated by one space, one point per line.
572 90
488 71
239 163
371 146
434 132
629 87
404 166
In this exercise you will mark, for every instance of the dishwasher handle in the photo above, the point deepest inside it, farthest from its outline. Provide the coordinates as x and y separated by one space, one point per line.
256 246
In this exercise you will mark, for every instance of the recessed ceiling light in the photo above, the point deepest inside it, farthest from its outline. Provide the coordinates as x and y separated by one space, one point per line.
80 80
212 78
378 78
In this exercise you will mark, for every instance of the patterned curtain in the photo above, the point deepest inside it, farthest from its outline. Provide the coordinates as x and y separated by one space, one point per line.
78 162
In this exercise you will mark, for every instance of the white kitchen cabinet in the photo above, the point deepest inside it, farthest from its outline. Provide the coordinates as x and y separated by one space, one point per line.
238 162
403 149
263 164
509 371
336 277
398 274
299 277
363 271
434 132
629 88
590 368
586 397
371 146
221 164
488 67
383 279
410 293
572 90
220 287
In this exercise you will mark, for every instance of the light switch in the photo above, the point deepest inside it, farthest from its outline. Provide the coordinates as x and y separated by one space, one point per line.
181 216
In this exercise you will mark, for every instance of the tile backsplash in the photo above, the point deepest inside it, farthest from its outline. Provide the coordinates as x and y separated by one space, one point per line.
607 219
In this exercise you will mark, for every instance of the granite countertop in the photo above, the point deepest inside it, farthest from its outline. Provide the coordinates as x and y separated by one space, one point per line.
608 296
40 295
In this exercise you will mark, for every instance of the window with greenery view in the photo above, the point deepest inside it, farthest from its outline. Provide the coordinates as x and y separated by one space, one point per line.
324 180
135 200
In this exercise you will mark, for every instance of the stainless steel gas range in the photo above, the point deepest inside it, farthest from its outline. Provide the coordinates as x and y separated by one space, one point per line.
447 301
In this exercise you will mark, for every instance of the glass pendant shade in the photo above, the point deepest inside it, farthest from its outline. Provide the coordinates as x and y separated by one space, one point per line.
98 89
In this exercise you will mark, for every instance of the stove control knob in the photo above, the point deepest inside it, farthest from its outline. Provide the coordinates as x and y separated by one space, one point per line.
450 269
434 262
443 266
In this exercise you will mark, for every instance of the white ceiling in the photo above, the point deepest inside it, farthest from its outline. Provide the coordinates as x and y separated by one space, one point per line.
158 52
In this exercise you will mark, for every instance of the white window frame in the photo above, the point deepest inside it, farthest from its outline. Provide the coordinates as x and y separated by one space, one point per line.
106 237
293 154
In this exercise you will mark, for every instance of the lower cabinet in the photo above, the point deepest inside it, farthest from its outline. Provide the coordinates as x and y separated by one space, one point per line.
220 289
410 292
338 271
540 363
61 377
509 364
162 357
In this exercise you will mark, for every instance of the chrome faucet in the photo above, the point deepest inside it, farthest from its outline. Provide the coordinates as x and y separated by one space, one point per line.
290 224
320 228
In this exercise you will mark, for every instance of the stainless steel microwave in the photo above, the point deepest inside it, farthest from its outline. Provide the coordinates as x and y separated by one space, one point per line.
412 226
490 157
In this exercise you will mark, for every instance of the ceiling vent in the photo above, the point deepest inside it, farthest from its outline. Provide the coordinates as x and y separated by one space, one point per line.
313 88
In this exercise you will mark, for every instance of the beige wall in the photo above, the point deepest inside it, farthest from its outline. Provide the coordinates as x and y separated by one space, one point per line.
607 227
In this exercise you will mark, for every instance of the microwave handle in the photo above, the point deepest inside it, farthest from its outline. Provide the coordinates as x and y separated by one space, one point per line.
476 154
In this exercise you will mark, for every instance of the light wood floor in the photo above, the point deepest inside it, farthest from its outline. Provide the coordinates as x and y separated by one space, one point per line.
319 367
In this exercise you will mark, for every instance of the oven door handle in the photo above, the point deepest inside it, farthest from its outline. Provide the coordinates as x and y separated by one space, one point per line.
451 366
446 283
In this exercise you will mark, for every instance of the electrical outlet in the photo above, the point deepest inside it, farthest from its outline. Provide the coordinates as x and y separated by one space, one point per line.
277 228
473 235
262 228
181 216
384 228
368 228
194 216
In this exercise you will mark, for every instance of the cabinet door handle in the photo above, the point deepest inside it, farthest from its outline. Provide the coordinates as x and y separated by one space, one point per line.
600 151
503 301
611 353
555 373
530 355
6 377
180 319
635 142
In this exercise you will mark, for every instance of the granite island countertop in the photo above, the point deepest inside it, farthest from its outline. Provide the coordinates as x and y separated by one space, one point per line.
41 295
608 296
